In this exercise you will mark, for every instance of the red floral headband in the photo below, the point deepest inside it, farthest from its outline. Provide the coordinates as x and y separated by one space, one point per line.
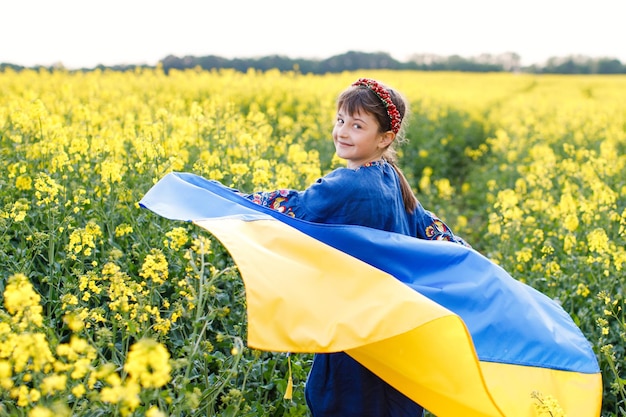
385 97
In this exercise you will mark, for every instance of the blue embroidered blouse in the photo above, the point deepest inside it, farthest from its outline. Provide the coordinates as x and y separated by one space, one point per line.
368 196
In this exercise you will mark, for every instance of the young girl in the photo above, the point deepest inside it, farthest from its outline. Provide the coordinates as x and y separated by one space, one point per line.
371 191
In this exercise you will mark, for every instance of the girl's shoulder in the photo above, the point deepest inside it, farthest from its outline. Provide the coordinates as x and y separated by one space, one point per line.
368 170
348 180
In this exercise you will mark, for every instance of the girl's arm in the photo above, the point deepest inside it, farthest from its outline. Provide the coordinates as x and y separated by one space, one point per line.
283 201
431 227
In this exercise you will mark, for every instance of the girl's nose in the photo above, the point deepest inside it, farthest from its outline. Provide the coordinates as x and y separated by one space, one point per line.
342 130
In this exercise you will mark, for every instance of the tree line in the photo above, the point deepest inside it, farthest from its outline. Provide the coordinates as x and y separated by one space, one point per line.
353 60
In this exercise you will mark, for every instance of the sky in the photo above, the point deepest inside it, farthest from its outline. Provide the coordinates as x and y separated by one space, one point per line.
86 33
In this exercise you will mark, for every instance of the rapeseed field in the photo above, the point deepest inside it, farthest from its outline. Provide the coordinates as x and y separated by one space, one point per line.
108 309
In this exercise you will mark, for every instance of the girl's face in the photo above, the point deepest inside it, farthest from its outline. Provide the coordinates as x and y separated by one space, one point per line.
357 139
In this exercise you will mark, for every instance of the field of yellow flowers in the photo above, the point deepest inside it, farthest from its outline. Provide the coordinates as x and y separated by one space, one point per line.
107 309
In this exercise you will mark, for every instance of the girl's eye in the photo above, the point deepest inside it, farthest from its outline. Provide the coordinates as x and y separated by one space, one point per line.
356 126
340 121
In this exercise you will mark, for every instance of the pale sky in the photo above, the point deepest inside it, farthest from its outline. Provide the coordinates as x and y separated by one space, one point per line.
85 33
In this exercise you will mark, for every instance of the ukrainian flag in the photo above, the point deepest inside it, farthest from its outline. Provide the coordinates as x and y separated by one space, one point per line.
436 320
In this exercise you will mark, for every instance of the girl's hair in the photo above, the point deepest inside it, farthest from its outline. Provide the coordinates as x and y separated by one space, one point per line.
361 98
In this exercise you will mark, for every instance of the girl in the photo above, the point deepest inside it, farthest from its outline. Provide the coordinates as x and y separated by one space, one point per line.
371 191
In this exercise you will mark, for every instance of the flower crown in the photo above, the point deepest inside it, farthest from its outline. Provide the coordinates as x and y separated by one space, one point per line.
385 97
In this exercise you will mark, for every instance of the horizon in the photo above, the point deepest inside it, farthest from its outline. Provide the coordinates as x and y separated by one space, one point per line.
409 59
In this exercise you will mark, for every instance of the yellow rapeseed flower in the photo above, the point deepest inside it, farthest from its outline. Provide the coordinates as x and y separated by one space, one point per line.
582 290
19 294
619 258
84 240
81 368
111 171
155 267
508 204
41 411
23 183
155 412
547 406
25 395
123 230
524 255
126 395
494 227
176 238
22 302
148 364
598 241
570 222
47 190
444 190
569 243
6 375
201 245
31 352
261 174
79 390
52 384
74 322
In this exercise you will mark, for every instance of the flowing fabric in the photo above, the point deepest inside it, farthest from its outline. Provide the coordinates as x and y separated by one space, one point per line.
438 321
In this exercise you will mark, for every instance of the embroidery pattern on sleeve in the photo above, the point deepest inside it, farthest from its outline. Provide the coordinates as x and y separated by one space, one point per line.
278 200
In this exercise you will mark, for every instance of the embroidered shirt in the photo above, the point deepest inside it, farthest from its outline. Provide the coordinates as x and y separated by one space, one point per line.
368 196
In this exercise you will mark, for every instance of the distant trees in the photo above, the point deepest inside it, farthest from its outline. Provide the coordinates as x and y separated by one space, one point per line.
353 60
483 63
346 62
583 65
